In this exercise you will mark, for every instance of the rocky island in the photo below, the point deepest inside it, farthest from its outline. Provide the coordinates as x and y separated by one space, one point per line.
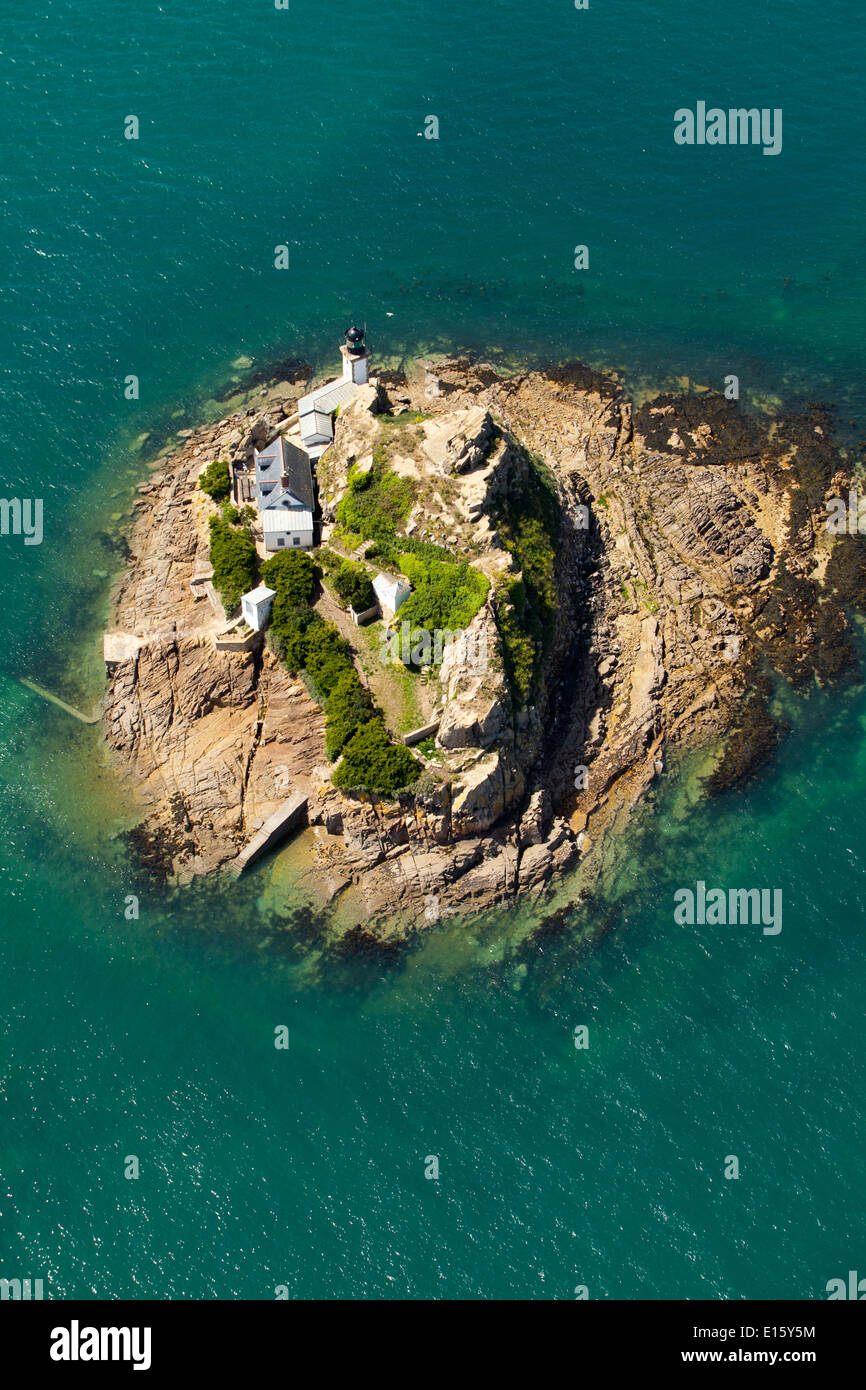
616 583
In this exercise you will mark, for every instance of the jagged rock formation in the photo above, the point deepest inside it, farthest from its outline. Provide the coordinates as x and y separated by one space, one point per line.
692 565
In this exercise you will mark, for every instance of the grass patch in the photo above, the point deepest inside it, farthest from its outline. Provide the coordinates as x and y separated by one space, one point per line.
404 420
397 686
645 595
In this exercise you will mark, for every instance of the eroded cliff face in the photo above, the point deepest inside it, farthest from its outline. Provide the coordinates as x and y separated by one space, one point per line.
213 740
692 567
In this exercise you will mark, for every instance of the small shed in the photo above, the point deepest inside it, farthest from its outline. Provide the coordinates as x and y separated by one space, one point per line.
391 593
315 414
256 606
328 397
316 427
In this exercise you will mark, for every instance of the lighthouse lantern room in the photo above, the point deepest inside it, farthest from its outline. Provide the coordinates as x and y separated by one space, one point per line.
356 356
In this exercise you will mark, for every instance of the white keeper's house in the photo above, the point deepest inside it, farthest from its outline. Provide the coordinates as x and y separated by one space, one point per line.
284 490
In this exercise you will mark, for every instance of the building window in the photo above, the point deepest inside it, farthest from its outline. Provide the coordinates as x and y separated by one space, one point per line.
281 540
296 540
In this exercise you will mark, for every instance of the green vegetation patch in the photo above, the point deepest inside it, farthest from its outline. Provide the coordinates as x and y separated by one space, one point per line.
372 762
527 520
287 634
234 559
328 561
349 707
390 550
216 480
354 585
378 501
519 650
403 421
317 650
446 595
644 595
291 574
327 657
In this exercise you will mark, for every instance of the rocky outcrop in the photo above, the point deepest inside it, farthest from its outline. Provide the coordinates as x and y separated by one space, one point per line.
691 564
476 702
470 444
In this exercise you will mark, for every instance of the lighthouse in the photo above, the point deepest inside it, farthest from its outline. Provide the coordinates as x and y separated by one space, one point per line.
356 356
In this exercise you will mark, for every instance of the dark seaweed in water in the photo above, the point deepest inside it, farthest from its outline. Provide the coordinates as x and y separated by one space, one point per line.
749 748
155 853
116 547
584 378
791 607
359 942
846 571
163 431
286 369
734 434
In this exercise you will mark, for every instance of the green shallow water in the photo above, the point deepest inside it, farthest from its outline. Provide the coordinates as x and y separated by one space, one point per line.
154 1037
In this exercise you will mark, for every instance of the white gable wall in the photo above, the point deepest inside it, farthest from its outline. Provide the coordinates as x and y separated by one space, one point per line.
289 540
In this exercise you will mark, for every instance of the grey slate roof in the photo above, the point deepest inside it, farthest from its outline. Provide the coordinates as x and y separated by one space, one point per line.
327 397
279 458
316 409
316 428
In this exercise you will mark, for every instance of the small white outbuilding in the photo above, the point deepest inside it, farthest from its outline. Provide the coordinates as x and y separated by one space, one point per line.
256 606
391 593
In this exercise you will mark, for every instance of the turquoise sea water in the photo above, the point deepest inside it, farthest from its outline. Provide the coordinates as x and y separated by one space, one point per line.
155 1037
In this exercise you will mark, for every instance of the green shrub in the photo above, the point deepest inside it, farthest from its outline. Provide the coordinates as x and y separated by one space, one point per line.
216 480
371 761
234 559
349 706
291 574
354 585
327 655
316 651
328 560
391 549
360 480
446 595
288 631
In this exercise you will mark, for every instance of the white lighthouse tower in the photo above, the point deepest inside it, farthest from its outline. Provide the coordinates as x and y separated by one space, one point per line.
356 356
